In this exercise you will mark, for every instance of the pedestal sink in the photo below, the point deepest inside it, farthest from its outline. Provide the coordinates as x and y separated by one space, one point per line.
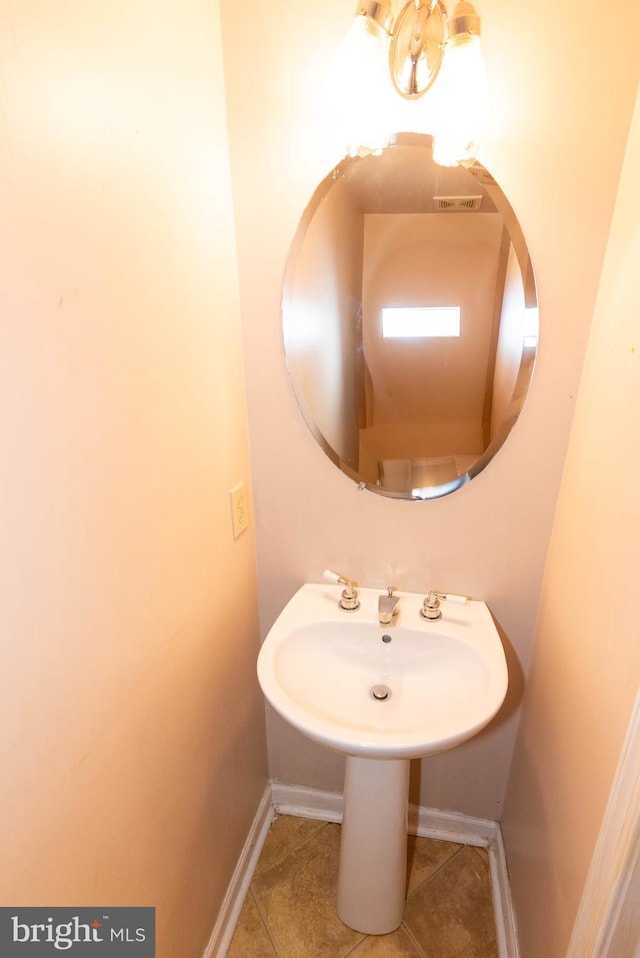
382 695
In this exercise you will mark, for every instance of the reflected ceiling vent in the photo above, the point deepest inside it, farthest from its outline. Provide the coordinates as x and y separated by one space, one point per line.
481 174
456 204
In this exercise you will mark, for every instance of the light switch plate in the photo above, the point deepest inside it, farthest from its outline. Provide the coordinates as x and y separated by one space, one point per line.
239 509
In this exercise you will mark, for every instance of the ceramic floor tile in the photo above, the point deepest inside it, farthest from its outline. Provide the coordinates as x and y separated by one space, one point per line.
396 945
250 939
286 833
451 914
424 857
290 911
484 855
297 900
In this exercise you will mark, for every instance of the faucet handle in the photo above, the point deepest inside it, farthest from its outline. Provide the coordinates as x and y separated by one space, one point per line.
349 600
431 606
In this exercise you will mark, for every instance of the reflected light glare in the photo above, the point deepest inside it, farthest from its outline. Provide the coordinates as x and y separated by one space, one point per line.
434 492
531 325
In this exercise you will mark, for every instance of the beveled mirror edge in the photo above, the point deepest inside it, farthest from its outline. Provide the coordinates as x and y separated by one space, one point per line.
523 383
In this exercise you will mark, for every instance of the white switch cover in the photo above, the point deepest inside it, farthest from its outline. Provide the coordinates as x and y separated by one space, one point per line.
239 509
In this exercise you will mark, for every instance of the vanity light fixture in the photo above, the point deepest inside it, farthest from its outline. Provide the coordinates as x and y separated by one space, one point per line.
463 91
421 44
358 83
417 46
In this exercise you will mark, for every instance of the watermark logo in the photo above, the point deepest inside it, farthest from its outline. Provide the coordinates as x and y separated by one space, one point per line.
78 932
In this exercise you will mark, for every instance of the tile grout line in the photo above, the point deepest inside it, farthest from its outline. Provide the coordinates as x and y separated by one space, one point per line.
289 851
265 924
437 871
414 941
356 946
416 944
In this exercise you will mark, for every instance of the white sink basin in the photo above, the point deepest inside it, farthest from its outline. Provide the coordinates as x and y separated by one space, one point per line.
446 679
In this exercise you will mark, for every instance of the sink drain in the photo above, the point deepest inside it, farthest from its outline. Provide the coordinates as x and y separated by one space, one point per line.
380 693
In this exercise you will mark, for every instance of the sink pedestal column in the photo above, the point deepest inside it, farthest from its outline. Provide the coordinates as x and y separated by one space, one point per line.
373 844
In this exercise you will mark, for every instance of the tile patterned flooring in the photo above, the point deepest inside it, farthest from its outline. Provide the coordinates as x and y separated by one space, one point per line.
289 911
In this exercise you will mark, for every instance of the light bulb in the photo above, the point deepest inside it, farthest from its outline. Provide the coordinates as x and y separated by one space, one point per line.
359 87
462 93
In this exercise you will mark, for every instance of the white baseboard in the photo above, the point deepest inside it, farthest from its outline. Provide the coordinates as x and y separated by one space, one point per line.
451 826
296 800
304 802
506 928
239 885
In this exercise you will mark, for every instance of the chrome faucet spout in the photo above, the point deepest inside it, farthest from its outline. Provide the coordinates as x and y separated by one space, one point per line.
387 607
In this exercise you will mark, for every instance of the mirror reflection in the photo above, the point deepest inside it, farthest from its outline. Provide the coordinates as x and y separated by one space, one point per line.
409 319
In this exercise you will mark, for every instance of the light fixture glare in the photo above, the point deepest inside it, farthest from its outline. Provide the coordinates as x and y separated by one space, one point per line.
359 87
422 45
462 92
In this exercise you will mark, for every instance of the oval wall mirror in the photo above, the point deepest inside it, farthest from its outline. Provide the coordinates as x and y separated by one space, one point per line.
410 319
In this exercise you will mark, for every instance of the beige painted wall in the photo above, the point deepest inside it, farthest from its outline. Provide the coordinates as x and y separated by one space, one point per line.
555 146
586 665
132 748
